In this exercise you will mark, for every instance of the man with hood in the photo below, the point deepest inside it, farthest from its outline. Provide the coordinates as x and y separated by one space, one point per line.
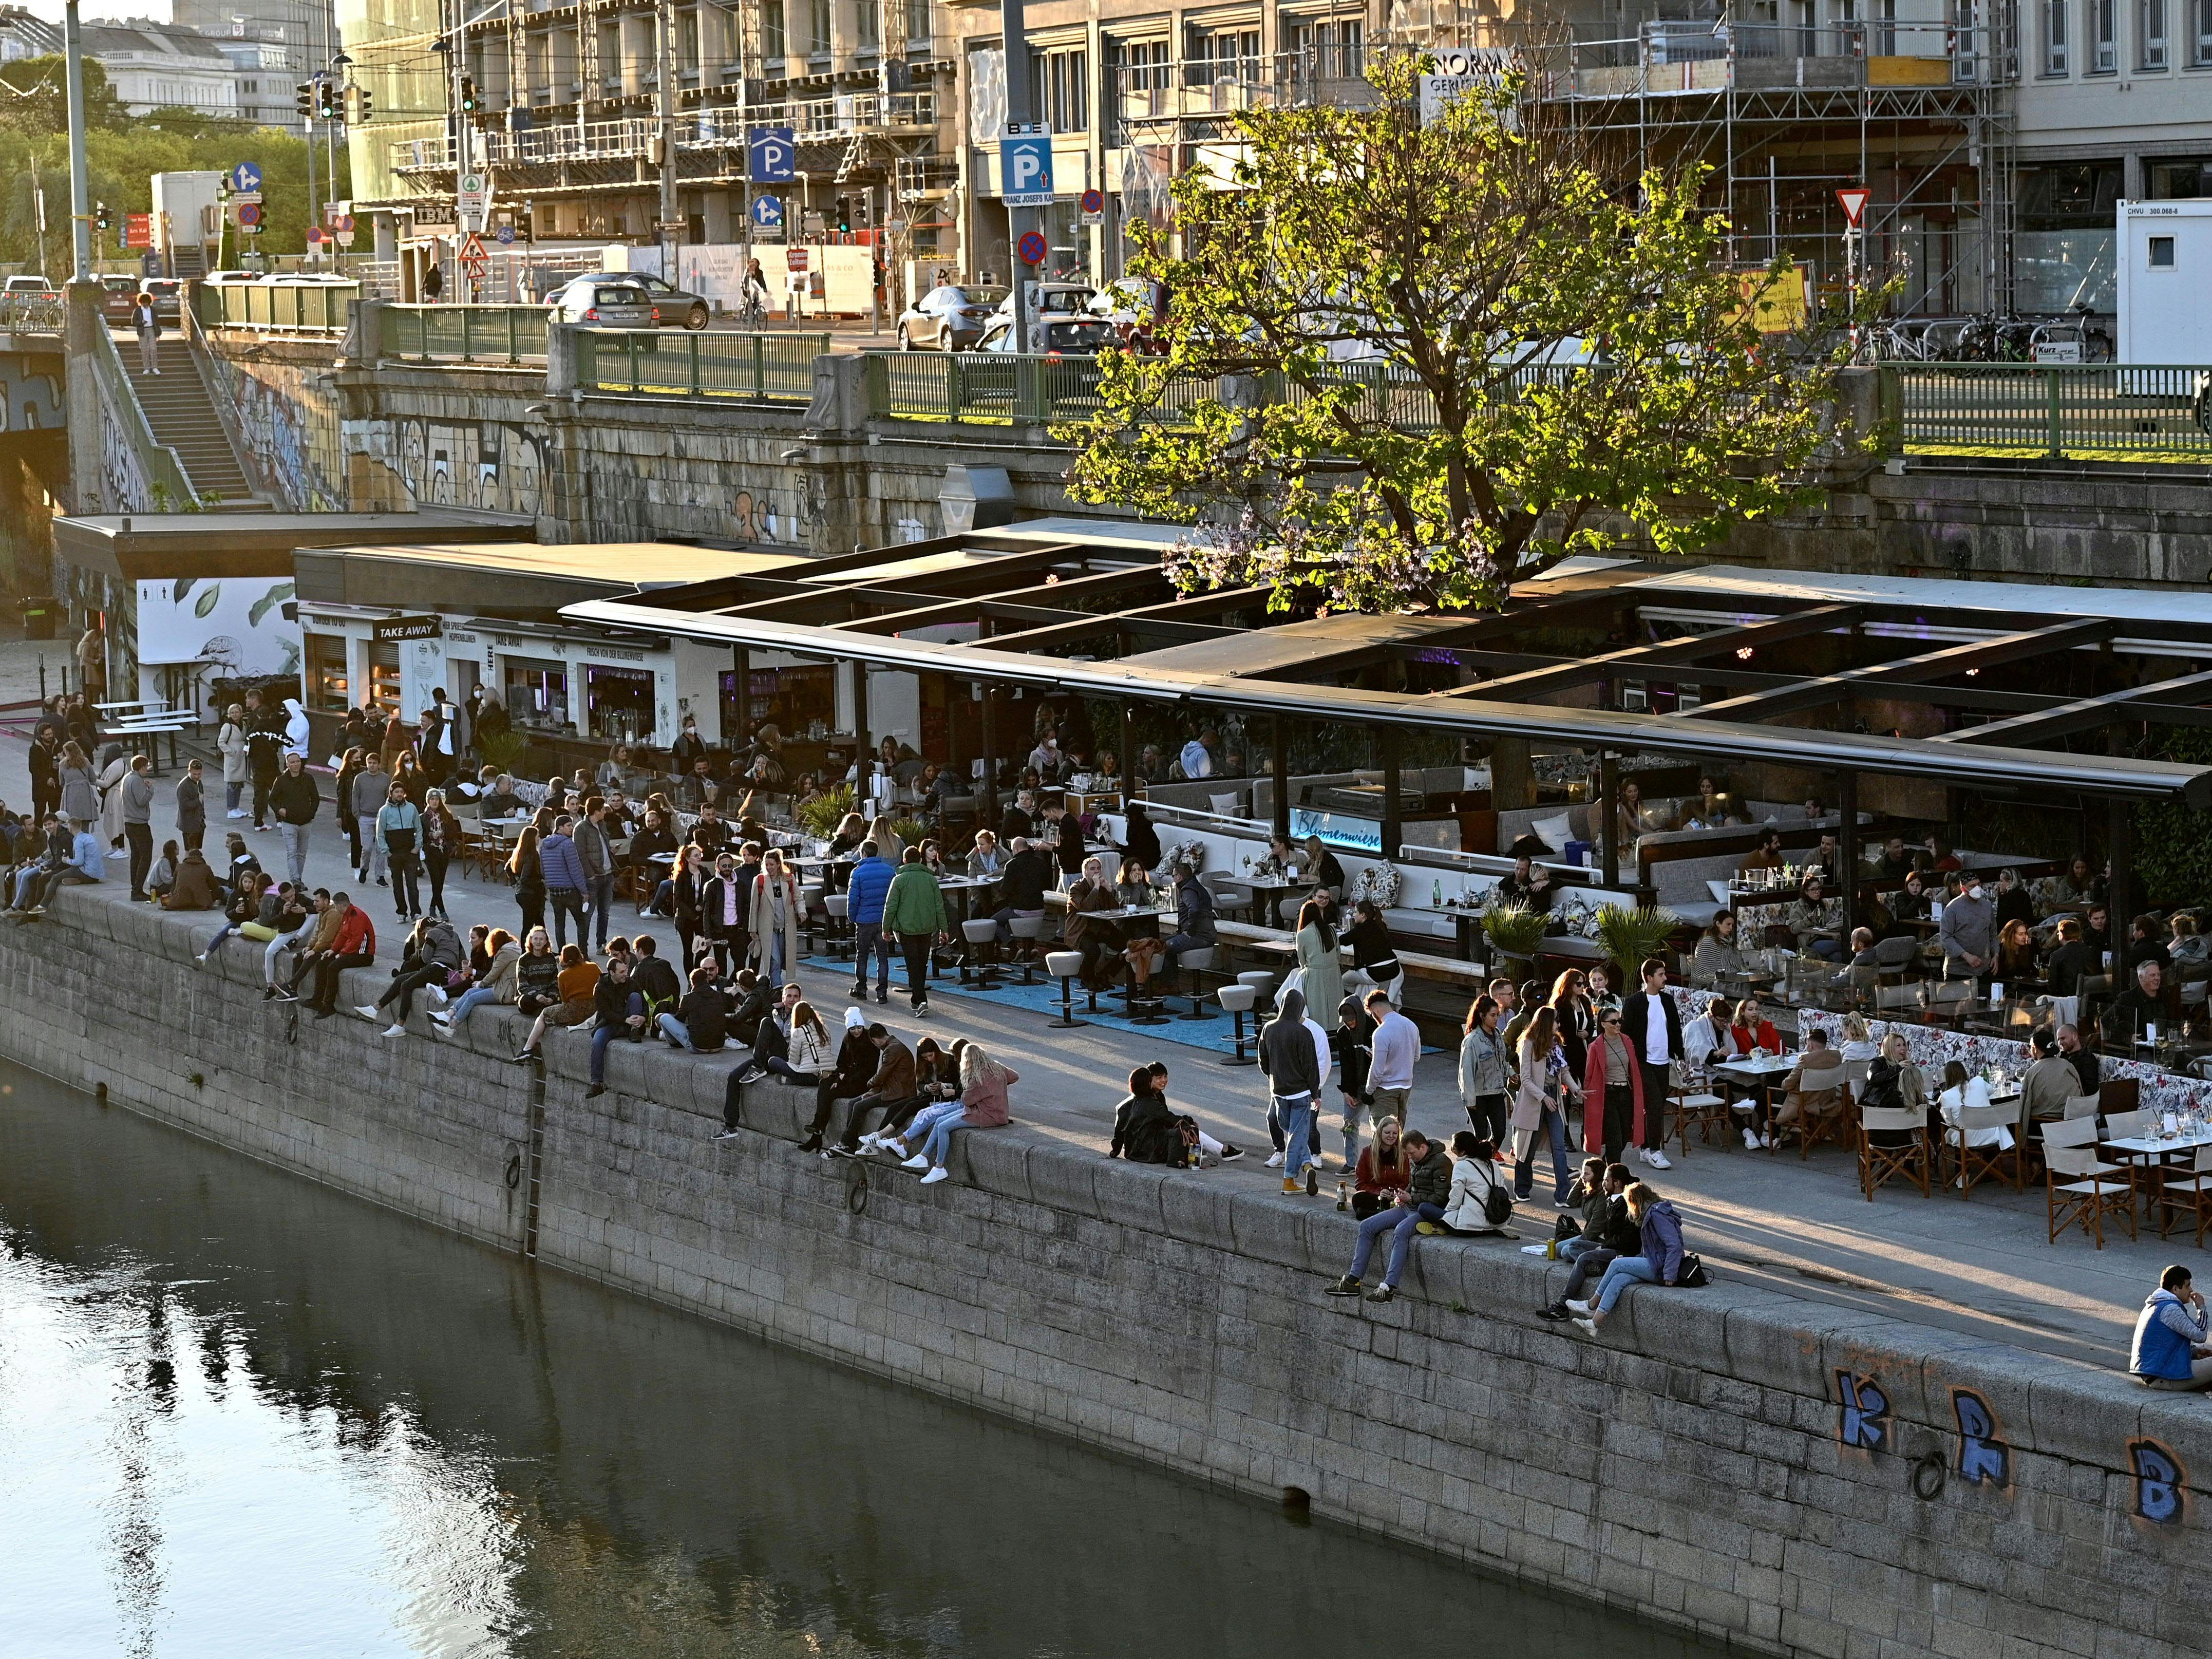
1294 1058
856 1063
265 754
295 728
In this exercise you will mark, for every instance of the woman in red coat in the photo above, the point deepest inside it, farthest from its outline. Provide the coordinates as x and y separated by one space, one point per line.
1612 1091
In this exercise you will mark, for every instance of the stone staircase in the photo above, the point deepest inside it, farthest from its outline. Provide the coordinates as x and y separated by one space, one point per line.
181 413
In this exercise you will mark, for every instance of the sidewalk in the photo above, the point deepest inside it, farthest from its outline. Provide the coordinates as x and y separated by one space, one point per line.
1981 1268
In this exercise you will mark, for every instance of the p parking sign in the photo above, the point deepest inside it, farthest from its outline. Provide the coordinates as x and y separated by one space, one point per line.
1025 164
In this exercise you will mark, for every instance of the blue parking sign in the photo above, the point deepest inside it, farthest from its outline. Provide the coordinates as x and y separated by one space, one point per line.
774 154
1025 164
768 212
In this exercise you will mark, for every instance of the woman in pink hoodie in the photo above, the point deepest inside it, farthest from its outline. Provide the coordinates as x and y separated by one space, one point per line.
982 1105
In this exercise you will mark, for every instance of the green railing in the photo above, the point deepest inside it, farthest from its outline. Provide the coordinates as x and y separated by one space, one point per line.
463 334
698 364
279 306
2092 411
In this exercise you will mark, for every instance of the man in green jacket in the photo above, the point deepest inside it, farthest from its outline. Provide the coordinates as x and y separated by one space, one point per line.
913 911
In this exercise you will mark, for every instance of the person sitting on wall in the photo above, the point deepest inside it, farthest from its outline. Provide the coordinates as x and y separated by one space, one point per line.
2173 1344
1660 1258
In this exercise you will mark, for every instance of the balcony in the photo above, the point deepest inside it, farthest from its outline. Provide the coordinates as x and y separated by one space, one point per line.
1203 90
1666 59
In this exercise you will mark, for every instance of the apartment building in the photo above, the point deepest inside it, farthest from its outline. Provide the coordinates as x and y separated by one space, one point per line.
163 66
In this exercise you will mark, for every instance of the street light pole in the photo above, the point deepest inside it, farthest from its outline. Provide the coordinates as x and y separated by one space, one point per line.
80 171
1013 29
670 202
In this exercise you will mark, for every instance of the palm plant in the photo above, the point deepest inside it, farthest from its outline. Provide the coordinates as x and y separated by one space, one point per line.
1632 937
1514 930
821 816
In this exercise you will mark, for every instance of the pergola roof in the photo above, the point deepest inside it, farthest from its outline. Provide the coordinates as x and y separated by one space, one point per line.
1084 606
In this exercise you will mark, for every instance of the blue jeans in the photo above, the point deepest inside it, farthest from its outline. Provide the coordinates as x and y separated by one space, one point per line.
1623 1271
603 901
471 1000
606 1033
1399 1222
1275 1130
1524 1167
1300 1134
1574 1249
1827 950
772 963
932 1126
870 939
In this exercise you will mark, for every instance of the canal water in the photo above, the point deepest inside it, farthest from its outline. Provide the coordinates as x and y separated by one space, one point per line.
245 1417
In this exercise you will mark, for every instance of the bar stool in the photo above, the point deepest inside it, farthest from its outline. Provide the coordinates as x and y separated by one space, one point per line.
808 898
840 909
1027 929
1263 987
1196 962
976 934
1064 966
1237 1000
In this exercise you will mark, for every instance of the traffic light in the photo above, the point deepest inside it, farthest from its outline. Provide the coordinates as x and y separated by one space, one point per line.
100 217
303 99
326 100
469 104
357 106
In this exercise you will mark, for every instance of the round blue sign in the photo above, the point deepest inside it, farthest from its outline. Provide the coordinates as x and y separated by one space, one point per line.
246 178
767 211
1031 248
505 233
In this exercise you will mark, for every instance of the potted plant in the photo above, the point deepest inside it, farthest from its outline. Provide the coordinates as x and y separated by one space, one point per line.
1514 930
820 816
1633 937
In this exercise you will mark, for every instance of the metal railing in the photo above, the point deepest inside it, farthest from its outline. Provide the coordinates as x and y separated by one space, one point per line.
2111 412
463 334
278 308
1667 56
711 129
32 313
768 367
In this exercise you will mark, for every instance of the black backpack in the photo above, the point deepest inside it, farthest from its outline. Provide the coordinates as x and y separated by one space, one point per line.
1497 1204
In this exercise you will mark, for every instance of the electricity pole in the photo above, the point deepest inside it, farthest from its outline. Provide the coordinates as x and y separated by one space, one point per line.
671 225
1013 28
79 172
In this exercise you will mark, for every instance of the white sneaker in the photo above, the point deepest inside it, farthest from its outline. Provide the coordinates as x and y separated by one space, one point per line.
940 1173
200 956
1276 1162
1578 1307
1659 1160
1587 1327
917 1162
868 1142
240 813
368 1010
1766 1141
1751 1140
437 994
892 1148
395 1029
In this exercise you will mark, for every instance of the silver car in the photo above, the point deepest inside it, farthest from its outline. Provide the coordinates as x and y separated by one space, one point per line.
603 302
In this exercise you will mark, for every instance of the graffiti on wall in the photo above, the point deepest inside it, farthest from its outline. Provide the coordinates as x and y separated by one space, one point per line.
287 416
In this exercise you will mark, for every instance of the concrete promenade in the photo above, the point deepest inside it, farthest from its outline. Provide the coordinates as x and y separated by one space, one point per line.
1981 1268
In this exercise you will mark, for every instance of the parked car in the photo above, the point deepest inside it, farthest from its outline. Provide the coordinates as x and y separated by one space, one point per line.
1073 336
31 288
949 318
605 299
118 294
677 308
168 297
230 278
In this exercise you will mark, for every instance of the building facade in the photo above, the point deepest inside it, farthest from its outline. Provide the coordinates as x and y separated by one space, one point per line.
164 66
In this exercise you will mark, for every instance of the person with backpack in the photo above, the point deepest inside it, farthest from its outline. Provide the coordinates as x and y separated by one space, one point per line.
1428 1188
1660 1259
1479 1201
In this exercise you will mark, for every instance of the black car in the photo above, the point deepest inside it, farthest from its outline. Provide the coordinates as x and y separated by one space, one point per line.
949 318
671 307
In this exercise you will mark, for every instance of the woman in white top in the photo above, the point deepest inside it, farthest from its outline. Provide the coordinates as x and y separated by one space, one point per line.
1960 1092
1474 1179
1858 1040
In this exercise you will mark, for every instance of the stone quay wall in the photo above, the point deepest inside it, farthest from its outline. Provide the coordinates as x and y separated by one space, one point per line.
1782 1476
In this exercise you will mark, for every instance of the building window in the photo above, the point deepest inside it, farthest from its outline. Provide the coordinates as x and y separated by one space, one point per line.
2159 253
917 27
1227 55
772 29
2150 26
619 702
536 695
1329 51
2178 181
2200 50
2105 23
1064 91
1145 64
820 25
383 677
2055 37
329 684
871 27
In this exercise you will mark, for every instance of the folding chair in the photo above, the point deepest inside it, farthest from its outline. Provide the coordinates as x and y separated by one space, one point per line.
2189 1188
2080 1190
1909 1158
1979 1164
1702 1110
1820 1119
2082 1106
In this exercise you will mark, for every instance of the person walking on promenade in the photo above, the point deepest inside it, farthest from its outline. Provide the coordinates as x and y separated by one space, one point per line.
1294 1059
913 911
294 800
191 807
136 790
1654 1028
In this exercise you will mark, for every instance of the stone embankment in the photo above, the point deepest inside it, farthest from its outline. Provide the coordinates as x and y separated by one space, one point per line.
1788 1476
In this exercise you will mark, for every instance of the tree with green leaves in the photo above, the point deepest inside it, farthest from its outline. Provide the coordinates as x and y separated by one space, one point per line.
1405 362
34 96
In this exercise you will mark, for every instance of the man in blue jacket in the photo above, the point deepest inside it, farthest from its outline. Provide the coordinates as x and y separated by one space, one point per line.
2172 1345
565 881
871 882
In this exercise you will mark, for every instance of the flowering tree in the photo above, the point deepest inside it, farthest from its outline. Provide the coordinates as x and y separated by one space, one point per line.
1406 363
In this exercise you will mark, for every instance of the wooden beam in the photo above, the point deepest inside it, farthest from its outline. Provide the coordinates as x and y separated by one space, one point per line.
1665 653
2085 714
1929 666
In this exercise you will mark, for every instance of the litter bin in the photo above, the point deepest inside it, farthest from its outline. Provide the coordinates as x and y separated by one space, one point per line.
39 615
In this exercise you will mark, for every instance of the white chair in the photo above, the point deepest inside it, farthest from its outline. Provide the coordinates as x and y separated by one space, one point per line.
1237 1000
1064 966
1196 962
1027 932
2081 1192
976 934
839 908
2079 1106
2125 1125
1978 1164
1857 1074
2191 1186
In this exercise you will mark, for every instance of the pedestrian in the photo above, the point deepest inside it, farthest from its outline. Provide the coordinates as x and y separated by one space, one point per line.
147 320
442 836
191 807
80 793
230 743
913 911
869 885
295 800
1396 1050
566 883
773 919
1294 1058
45 772
1428 1188
2172 1345
398 834
1660 1257
114 766
1484 1068
526 870
92 661
1540 1106
1612 1091
595 848
135 792
1653 1027
1315 939
265 754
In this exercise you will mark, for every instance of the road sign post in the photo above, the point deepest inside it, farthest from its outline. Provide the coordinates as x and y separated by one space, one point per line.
472 201
1025 164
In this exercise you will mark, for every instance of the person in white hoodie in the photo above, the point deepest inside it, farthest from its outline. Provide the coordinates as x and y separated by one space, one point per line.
295 728
1474 1179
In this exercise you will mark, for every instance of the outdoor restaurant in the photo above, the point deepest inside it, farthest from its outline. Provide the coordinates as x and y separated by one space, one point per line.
1778 782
